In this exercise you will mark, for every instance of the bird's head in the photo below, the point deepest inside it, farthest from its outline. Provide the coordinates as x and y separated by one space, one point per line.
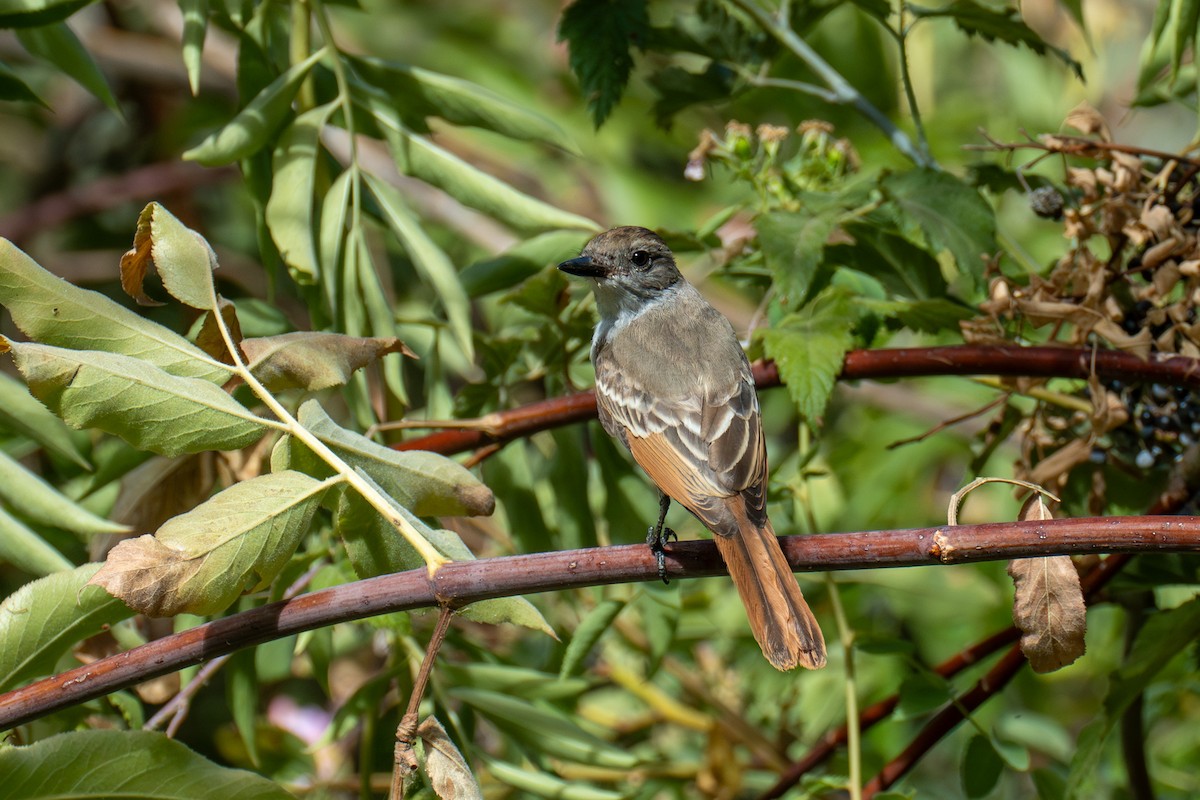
630 268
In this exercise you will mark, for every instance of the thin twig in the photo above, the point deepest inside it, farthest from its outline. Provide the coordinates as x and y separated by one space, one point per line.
405 763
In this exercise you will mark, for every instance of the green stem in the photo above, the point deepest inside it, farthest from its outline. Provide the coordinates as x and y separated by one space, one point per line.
901 34
853 732
841 91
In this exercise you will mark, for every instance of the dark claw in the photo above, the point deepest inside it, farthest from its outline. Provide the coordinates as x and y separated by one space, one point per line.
657 539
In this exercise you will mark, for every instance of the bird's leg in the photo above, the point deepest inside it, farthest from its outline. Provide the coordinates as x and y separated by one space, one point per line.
658 536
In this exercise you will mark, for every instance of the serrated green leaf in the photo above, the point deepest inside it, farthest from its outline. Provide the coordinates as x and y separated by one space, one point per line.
146 406
50 310
12 88
195 27
1004 24
256 125
898 264
426 483
23 415
289 210
951 214
587 633
545 729
28 13
600 35
126 764
202 561
417 156
793 245
59 45
808 347
418 93
26 550
926 316
431 262
42 621
33 498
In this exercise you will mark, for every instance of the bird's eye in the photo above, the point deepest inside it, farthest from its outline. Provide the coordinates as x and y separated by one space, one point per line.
640 258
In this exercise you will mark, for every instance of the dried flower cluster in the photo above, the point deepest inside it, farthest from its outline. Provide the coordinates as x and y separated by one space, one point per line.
1130 280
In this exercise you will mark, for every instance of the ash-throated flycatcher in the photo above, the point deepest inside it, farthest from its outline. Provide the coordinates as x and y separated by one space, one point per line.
673 384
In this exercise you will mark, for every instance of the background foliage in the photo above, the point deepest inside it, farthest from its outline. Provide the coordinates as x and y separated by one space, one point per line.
414 172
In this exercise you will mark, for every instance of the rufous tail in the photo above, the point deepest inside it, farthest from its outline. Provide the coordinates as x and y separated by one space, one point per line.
782 623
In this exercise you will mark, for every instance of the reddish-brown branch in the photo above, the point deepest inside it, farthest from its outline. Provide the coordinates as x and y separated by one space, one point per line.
1031 362
460 583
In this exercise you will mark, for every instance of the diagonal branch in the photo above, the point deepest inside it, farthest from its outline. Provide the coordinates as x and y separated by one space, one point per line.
463 582
1007 361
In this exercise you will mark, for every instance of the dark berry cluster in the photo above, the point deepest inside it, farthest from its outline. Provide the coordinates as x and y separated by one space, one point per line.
1163 421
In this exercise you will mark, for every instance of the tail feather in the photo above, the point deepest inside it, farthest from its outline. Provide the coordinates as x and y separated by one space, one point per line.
782 623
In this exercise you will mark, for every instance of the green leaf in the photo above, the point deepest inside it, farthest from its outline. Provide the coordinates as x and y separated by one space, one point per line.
981 767
600 35
951 214
42 621
545 729
926 316
184 259
530 684
50 310
1164 636
256 125
431 262
202 561
36 500
921 693
29 13
242 692
542 784
522 261
793 245
289 210
12 88
419 93
126 764
195 26
146 406
808 347
58 44
25 416
426 483
417 156
1004 24
26 550
901 266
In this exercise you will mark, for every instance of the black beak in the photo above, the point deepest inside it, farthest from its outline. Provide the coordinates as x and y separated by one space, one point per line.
583 266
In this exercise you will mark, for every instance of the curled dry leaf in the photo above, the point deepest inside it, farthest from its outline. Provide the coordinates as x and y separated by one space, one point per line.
184 259
1048 607
314 360
447 770
209 338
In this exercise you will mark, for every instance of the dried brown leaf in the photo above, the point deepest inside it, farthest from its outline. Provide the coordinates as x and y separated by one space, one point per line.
1048 607
209 338
315 360
449 774
1088 121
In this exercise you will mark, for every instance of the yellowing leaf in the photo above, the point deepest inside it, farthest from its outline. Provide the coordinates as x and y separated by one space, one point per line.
142 404
448 772
185 261
202 561
314 360
1048 607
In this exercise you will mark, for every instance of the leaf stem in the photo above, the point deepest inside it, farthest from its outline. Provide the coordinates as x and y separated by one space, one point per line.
841 91
853 731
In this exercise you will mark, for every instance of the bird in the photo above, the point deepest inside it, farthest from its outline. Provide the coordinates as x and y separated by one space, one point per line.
673 385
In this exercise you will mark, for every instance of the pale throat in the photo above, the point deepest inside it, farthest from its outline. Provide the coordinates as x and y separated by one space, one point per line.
618 307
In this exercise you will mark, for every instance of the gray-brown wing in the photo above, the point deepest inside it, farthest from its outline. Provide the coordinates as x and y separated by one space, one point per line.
699 447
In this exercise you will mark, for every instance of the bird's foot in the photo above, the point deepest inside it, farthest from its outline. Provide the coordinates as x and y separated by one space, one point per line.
658 538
